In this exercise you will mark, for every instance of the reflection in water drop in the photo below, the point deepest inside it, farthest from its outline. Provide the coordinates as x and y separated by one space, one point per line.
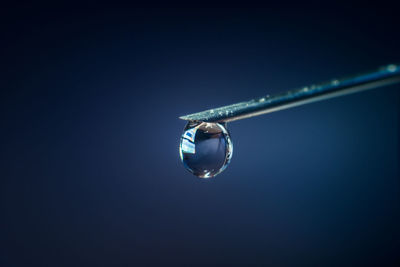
205 148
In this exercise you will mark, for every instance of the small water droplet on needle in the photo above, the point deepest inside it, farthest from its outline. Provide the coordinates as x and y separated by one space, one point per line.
205 148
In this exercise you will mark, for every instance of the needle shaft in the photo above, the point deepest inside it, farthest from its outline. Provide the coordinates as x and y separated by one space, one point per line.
386 75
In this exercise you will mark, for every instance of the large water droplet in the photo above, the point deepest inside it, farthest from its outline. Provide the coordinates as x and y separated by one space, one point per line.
205 148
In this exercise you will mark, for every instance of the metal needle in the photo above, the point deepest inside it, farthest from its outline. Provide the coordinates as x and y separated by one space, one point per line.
386 75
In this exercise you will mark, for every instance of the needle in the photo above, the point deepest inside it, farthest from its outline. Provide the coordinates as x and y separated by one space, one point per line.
386 75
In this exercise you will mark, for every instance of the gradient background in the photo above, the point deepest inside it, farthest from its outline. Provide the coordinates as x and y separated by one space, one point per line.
90 170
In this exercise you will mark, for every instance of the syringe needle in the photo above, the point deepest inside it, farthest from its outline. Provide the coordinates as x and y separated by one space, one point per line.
386 75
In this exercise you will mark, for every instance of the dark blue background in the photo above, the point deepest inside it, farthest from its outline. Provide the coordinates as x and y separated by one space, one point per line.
90 170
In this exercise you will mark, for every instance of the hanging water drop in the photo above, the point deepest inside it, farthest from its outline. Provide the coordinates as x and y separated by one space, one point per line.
205 148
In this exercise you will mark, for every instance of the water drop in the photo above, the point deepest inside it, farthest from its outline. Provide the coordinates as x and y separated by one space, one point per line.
335 82
205 148
391 68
